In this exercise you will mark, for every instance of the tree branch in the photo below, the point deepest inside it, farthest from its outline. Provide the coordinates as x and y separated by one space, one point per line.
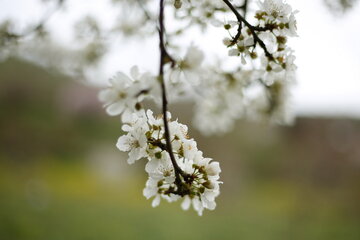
163 56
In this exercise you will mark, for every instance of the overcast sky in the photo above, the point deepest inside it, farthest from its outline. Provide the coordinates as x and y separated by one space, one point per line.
327 51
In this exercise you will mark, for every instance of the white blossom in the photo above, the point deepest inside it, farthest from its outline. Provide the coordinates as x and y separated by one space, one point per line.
124 92
188 69
275 9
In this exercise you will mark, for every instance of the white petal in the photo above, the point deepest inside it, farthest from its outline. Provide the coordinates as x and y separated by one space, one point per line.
175 76
126 117
243 61
170 179
233 52
123 143
135 154
249 41
152 166
121 81
198 206
134 72
211 205
126 128
107 95
115 108
156 201
185 205
149 192
213 169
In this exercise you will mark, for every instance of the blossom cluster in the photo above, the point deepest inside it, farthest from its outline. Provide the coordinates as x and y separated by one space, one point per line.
222 101
260 89
192 177
226 97
275 23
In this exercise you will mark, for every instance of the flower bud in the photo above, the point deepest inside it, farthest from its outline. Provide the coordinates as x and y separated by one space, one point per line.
177 4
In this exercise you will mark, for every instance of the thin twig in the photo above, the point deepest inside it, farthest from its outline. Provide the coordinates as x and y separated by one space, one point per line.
145 11
244 7
42 22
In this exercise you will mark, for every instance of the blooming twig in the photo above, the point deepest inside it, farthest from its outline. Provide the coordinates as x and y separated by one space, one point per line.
163 57
176 168
252 28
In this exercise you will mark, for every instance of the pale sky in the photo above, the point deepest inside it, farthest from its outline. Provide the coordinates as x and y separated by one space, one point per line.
327 51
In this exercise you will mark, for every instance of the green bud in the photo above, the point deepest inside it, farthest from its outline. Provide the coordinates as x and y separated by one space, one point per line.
158 155
241 48
281 39
148 134
253 55
122 95
138 106
268 68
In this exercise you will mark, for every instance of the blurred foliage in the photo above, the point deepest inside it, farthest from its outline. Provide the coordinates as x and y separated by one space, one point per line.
61 176
37 110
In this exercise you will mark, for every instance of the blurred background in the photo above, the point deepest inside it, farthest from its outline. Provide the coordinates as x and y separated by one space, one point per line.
61 176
